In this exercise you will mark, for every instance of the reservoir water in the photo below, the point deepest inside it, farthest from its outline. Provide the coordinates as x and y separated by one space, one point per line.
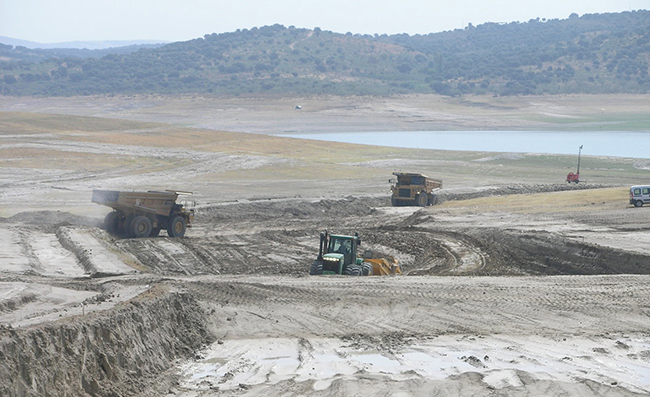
634 144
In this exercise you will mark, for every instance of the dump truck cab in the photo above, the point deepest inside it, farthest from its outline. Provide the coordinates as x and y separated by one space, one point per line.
413 189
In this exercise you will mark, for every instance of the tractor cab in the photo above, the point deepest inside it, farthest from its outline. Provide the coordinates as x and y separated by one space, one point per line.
337 252
344 247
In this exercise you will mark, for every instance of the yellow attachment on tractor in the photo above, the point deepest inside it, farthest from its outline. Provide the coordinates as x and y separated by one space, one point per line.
384 266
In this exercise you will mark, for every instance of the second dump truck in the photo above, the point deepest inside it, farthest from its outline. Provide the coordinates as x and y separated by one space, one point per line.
145 214
413 189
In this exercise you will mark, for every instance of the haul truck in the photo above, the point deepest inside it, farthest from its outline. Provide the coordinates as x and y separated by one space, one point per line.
413 189
145 214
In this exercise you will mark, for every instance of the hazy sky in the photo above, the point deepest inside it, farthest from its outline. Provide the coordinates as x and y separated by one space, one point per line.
49 21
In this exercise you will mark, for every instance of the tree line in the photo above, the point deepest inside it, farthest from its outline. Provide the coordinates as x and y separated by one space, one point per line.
593 53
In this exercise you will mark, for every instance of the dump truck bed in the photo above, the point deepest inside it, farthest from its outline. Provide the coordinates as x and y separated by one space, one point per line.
417 179
159 203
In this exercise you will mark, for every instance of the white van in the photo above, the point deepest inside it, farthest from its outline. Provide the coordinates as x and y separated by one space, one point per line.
640 195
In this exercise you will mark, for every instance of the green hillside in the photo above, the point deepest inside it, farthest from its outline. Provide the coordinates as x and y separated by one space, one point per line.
595 53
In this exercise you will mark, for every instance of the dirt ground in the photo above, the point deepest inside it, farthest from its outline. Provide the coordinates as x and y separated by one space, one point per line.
519 287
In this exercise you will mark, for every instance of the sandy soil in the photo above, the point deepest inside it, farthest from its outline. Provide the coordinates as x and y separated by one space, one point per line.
355 114
533 288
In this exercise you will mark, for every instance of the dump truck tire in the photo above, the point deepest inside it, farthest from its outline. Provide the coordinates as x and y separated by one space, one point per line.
126 227
141 226
433 199
111 222
155 232
352 270
422 200
176 227
316 268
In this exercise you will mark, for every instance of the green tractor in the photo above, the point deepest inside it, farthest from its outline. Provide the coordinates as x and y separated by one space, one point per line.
337 254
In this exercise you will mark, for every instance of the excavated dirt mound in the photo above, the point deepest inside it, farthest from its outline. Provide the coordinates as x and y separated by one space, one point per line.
342 209
287 209
51 218
112 353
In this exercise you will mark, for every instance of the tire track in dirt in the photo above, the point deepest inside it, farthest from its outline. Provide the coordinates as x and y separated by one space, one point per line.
95 257
158 254
436 252
12 248
330 305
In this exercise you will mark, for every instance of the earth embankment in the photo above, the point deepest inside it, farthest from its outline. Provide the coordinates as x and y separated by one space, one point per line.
110 353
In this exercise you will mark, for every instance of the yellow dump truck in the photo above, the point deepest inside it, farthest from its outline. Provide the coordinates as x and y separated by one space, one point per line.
145 214
413 189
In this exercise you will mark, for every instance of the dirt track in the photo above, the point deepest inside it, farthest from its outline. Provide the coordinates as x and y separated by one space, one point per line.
527 289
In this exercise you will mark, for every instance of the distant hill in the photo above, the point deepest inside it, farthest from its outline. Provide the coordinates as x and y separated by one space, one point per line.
23 50
88 45
595 53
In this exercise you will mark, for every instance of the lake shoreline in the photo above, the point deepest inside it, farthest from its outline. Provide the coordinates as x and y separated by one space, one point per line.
595 143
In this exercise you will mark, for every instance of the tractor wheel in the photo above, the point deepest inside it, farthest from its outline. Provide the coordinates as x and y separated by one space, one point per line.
316 268
352 270
422 200
638 203
111 222
176 227
126 227
366 269
141 226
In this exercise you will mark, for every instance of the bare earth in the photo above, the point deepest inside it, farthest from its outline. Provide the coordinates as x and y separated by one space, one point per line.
515 284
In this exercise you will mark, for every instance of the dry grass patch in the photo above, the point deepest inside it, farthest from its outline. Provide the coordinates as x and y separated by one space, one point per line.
575 200
36 123
56 159
31 158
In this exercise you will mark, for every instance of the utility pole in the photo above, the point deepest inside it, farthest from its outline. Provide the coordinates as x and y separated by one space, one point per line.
580 150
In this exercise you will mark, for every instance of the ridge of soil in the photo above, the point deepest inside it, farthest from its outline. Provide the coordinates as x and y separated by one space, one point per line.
111 353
